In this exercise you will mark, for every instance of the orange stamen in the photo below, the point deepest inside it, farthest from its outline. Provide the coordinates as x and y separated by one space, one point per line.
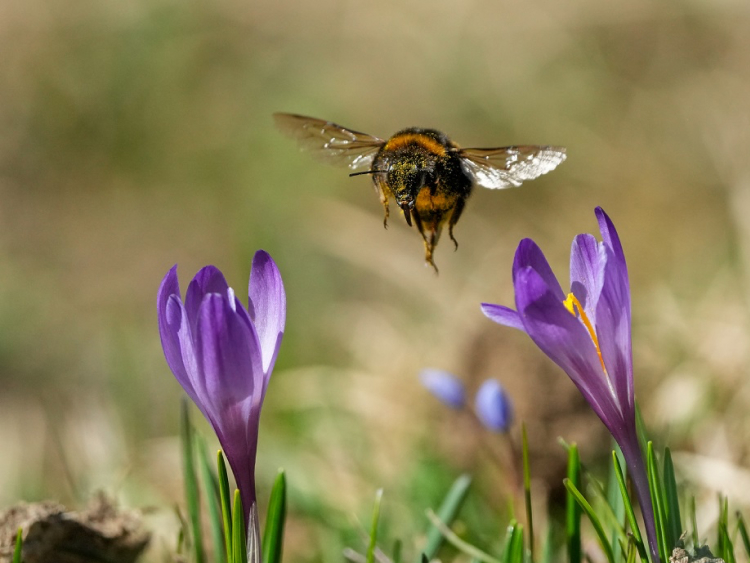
576 309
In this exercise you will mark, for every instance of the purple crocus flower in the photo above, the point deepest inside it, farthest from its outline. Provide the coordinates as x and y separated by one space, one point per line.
223 355
493 407
587 333
445 386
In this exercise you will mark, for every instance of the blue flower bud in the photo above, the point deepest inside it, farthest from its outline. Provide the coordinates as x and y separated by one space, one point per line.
445 386
493 407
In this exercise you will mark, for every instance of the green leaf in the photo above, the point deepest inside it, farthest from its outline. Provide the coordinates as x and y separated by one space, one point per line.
608 518
583 503
211 489
640 427
694 522
616 504
226 504
273 534
527 488
548 546
729 553
374 527
719 530
192 496
743 533
657 498
239 547
727 546
447 513
19 546
628 505
632 549
458 543
508 541
671 502
572 510
516 545
397 546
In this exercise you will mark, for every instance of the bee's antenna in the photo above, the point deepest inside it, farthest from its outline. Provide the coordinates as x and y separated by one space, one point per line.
367 172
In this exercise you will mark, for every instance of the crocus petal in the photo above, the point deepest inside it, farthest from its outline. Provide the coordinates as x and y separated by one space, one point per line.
208 280
267 306
529 255
613 330
502 315
445 386
493 407
170 285
612 240
587 259
228 354
170 344
565 340
185 366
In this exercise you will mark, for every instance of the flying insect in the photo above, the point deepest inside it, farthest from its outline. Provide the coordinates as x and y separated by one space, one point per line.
428 176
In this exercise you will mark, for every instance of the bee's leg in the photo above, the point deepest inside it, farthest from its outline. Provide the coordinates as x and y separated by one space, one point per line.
430 241
457 210
429 246
418 223
383 192
429 261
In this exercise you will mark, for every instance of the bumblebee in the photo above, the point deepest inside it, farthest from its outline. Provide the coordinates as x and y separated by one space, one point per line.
428 176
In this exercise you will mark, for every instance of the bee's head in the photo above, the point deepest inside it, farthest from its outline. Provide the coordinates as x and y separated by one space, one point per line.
408 174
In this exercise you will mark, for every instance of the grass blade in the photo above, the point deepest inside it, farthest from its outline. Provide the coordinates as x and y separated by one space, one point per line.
547 546
226 504
572 509
211 490
694 522
608 519
743 533
586 507
527 488
726 547
273 534
446 514
508 541
720 529
192 496
374 527
516 545
671 502
17 550
727 544
397 546
628 506
632 549
657 497
239 547
458 543
617 505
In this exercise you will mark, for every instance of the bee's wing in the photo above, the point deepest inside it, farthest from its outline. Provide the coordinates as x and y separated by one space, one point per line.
330 142
506 167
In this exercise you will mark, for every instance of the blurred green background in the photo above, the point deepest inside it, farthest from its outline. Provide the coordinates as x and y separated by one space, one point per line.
135 135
